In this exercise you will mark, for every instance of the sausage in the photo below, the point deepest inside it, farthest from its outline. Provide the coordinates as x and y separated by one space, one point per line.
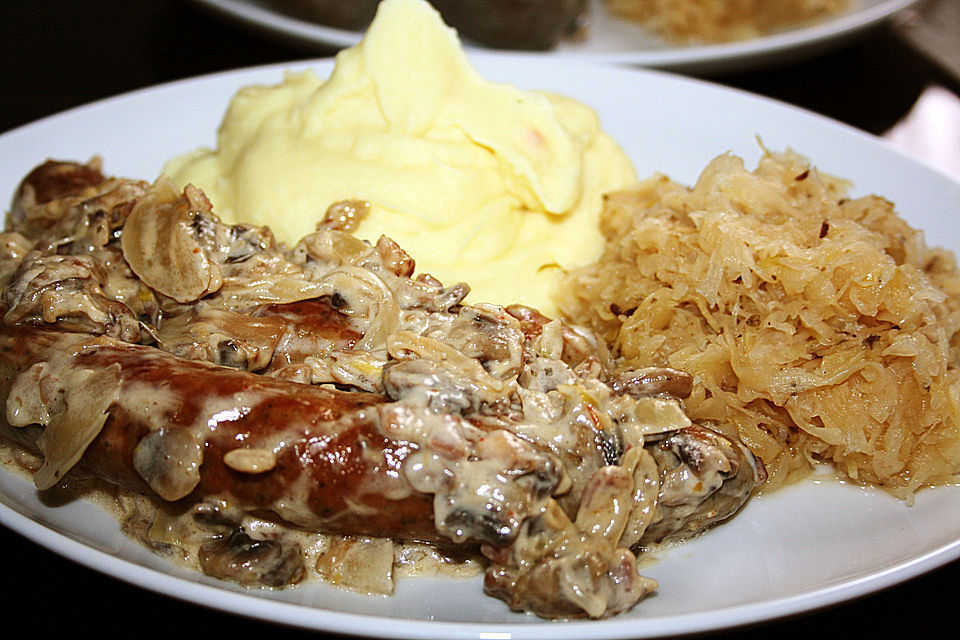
332 470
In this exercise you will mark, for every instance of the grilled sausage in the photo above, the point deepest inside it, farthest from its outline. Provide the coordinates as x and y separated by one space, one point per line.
173 425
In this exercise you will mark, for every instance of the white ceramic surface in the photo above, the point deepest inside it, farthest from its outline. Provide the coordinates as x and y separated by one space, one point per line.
610 39
811 545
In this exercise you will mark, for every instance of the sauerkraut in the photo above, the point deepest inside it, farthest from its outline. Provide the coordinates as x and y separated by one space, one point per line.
817 327
723 20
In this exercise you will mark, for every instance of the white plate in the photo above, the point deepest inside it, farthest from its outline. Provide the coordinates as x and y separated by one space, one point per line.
802 548
613 40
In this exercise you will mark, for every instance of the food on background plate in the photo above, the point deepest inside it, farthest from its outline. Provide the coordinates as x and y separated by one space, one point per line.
817 327
482 182
250 392
505 24
724 20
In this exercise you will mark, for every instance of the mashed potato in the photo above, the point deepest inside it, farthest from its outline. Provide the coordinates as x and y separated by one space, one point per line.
817 327
479 182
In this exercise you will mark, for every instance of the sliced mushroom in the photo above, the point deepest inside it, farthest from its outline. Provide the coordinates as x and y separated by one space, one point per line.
606 503
240 558
654 381
491 336
66 290
161 245
169 460
705 478
646 490
559 570
71 404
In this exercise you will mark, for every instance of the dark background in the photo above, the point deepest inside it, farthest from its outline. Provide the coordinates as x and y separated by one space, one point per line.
55 55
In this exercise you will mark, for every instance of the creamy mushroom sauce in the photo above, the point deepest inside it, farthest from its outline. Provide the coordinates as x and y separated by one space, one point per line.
533 448
365 565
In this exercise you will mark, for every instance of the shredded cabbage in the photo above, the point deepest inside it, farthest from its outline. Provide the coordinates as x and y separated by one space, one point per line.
817 327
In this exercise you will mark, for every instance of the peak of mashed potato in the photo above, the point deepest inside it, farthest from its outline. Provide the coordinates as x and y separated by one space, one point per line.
480 182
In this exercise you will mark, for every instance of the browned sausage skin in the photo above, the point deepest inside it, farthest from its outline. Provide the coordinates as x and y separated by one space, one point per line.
324 385
199 411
